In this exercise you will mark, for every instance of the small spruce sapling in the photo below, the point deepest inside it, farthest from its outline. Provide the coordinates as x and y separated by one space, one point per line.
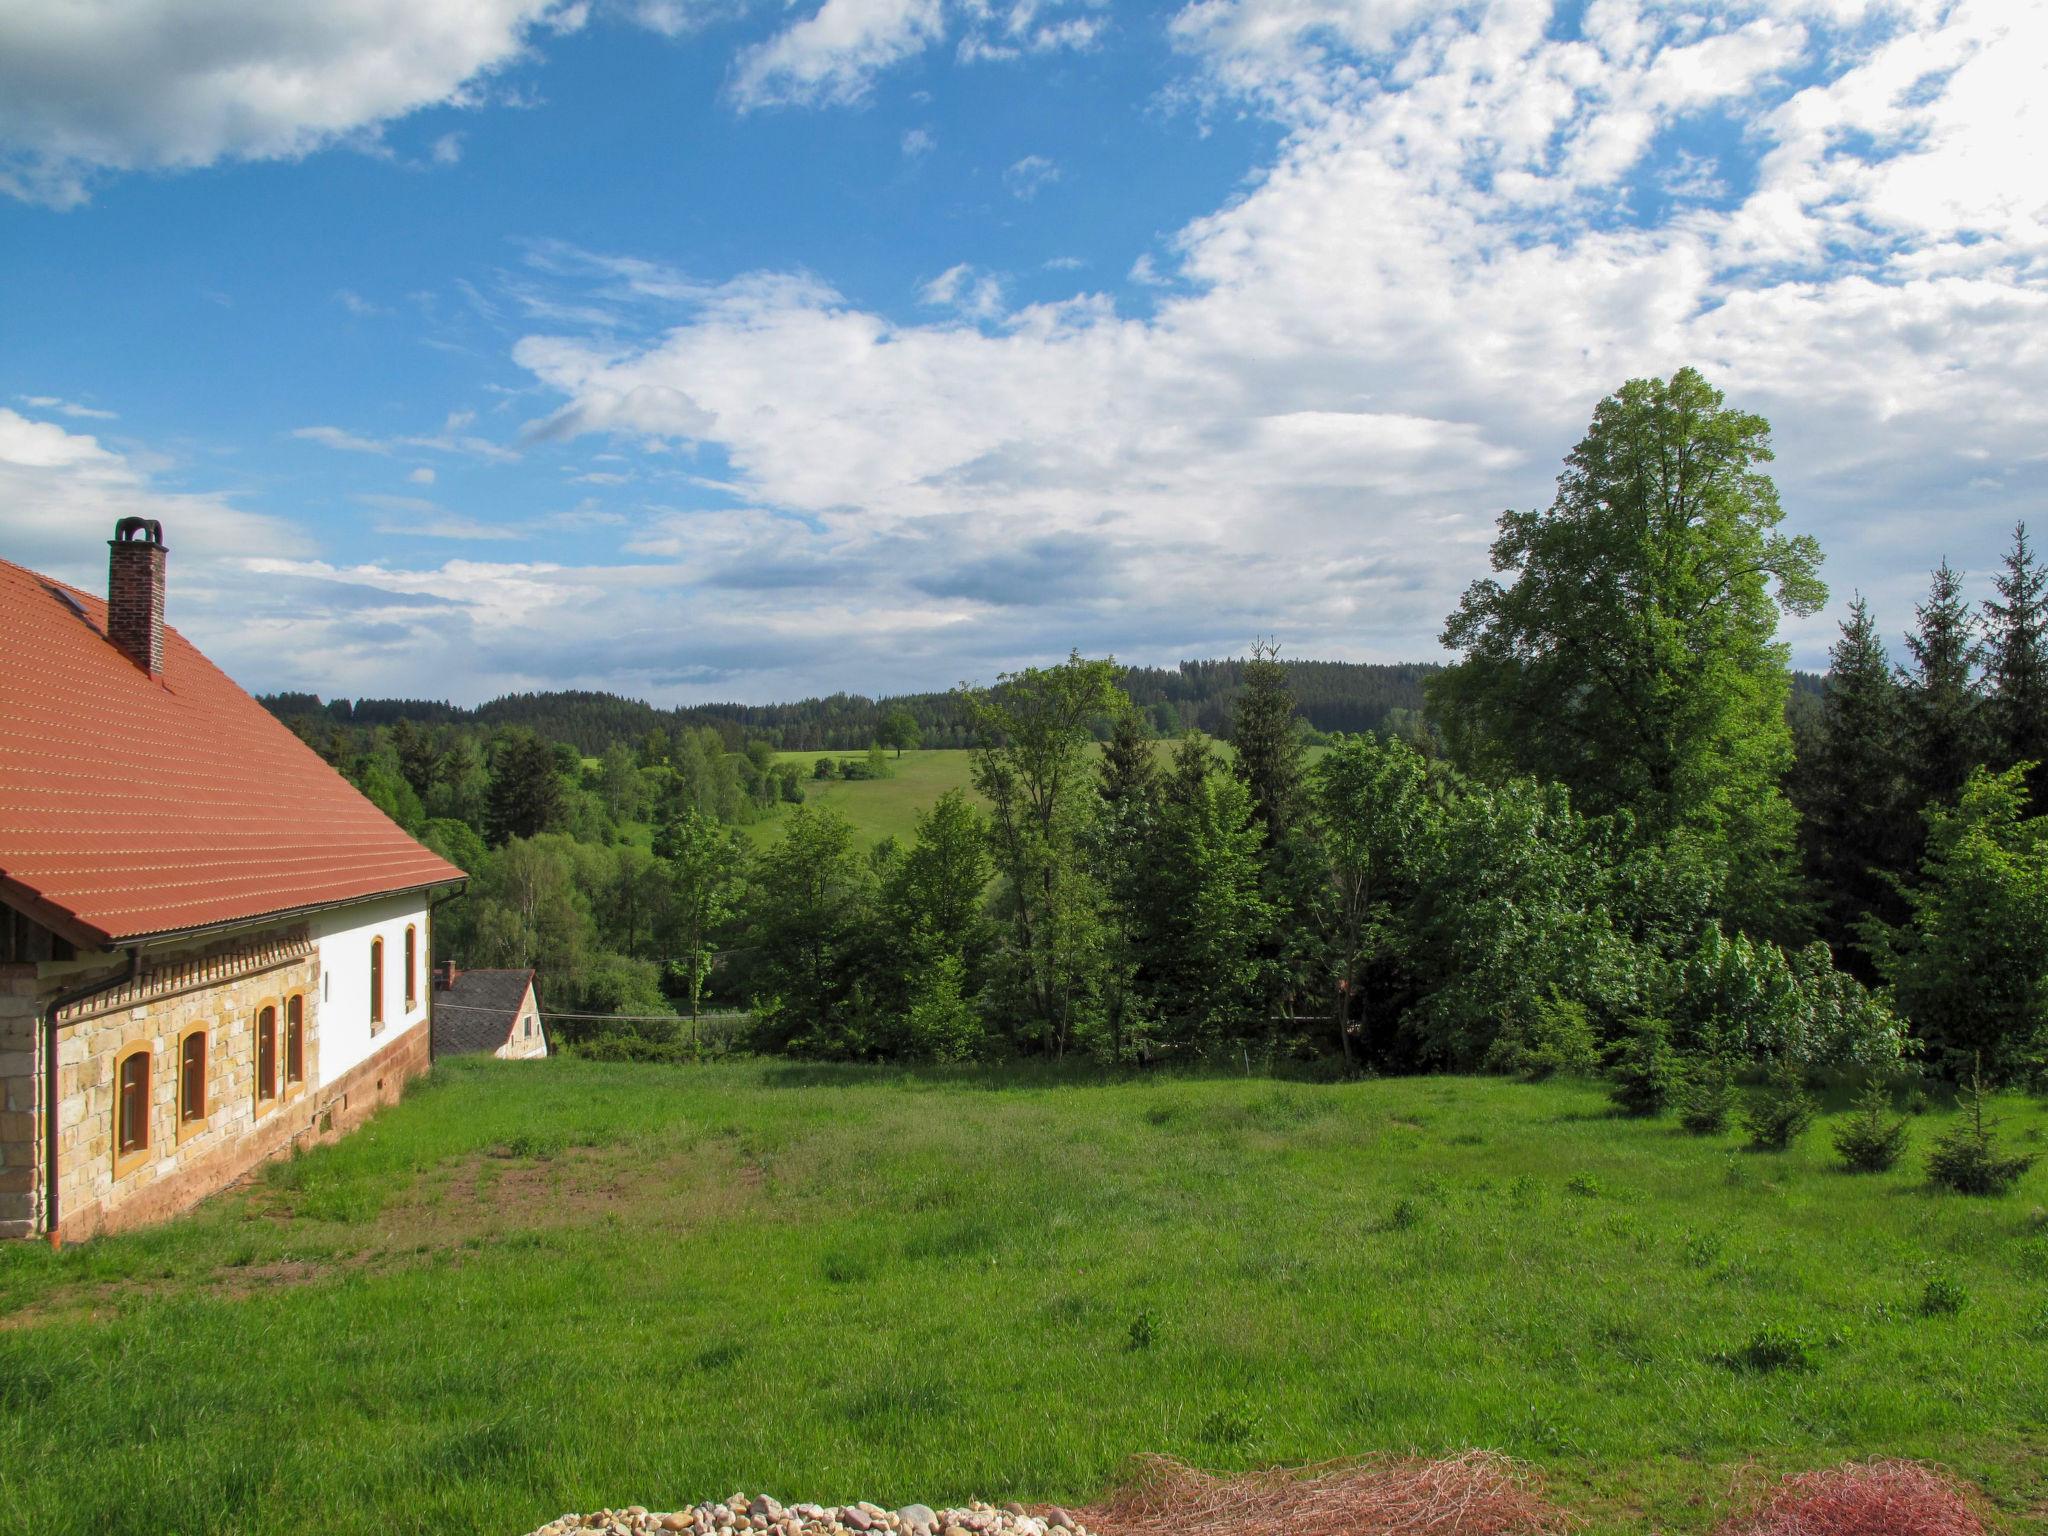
1967 1159
1643 1069
1708 1098
1780 1111
1872 1138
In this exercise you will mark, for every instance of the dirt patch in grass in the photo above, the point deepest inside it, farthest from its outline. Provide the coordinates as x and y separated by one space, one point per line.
1477 1494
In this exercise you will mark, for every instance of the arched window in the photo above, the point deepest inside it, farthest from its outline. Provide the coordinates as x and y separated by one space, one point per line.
266 1055
131 1110
295 1040
192 1079
376 985
412 951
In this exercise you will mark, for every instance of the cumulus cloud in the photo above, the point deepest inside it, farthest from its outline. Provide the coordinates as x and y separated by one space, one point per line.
161 84
1399 326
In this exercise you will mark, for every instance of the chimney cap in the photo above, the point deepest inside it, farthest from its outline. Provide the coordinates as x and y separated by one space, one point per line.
127 529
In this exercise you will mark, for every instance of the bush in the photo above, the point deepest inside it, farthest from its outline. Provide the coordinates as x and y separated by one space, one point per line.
1707 1099
1772 1348
1644 1069
1780 1111
1943 1296
1556 1037
1872 1138
1967 1159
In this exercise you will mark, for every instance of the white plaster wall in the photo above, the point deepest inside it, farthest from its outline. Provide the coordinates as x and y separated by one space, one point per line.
519 1045
343 937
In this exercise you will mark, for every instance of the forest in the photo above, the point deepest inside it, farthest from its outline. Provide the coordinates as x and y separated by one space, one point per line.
1617 832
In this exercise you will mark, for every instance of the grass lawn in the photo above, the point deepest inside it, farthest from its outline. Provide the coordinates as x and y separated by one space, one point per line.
878 808
539 1287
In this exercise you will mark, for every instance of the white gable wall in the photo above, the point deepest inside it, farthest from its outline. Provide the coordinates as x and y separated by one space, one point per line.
343 936
529 1036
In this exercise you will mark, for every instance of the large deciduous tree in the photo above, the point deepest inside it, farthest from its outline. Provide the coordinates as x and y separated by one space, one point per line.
707 871
1631 653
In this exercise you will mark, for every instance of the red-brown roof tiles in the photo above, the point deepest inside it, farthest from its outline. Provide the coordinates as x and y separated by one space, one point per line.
132 806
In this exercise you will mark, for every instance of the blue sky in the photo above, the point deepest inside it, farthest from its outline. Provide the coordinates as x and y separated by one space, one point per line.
744 351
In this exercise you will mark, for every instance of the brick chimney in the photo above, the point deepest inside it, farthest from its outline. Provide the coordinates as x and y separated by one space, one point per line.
135 592
444 976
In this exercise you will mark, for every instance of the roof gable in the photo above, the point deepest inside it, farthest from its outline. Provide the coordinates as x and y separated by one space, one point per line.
132 806
478 1012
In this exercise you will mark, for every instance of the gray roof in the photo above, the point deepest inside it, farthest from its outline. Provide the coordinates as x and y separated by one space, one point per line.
478 1012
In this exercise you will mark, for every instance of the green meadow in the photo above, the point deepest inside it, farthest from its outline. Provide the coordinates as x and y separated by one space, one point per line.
878 808
539 1287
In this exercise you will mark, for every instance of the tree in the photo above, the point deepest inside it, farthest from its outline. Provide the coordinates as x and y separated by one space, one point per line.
1970 967
1943 714
1632 656
526 789
1266 745
619 785
941 884
898 729
706 880
1860 831
809 908
1367 807
1200 933
1033 732
2016 663
1120 848
418 758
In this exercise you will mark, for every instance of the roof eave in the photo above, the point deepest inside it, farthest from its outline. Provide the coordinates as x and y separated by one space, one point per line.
68 927
281 914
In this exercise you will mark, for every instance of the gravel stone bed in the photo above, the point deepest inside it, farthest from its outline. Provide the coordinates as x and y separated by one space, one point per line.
740 1516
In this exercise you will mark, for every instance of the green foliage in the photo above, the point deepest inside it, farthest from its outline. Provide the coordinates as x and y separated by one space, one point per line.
1943 713
1266 745
1707 1097
1633 655
1034 728
941 1024
707 870
2016 663
526 789
1774 1347
1966 1159
1643 1070
1556 1036
1943 1296
1747 1000
898 729
1872 1138
1860 827
810 908
1779 1112
1970 969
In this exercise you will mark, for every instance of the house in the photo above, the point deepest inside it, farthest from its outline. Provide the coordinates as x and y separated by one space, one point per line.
495 1011
212 948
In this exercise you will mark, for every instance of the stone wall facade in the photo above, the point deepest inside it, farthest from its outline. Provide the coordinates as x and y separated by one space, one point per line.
221 990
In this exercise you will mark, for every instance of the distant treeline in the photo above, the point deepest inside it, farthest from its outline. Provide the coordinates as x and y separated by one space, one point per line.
1332 696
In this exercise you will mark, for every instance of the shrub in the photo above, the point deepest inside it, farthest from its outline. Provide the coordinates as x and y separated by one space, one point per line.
1773 1348
1943 1296
1872 1138
1708 1098
1780 1111
1645 1071
1967 1159
1144 1330
1555 1037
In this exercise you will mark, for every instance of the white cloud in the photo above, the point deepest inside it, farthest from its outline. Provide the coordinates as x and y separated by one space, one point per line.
165 84
976 294
447 149
1399 326
337 439
67 408
1027 176
831 57
357 305
450 439
918 142
421 476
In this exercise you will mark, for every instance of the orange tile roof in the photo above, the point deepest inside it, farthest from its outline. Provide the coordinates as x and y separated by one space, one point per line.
133 806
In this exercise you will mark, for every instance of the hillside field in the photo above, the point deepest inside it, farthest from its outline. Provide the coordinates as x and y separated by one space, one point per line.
550 1286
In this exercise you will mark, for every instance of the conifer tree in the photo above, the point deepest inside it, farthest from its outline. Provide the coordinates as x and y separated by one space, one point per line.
1860 830
1940 705
2016 663
1267 746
